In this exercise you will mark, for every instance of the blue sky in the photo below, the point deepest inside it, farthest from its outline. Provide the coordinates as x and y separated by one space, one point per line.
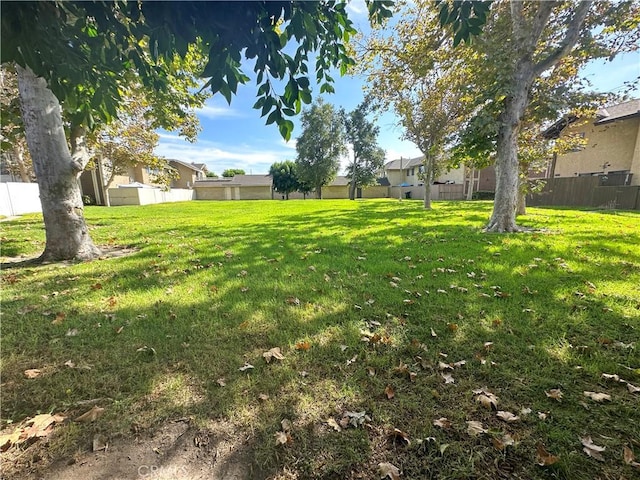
235 136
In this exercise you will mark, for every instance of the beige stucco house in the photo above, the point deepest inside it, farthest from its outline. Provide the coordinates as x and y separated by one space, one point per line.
612 144
404 179
239 187
188 173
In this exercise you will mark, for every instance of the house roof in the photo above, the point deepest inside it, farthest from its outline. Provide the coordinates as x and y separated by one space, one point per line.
406 163
339 181
238 181
619 111
192 166
342 181
200 166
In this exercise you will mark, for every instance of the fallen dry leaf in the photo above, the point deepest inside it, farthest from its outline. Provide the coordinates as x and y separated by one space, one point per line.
286 425
303 345
245 367
388 470
475 428
282 438
222 382
9 439
504 442
433 333
91 415
486 399
629 457
443 423
293 301
554 393
389 392
544 458
263 396
591 449
60 316
398 434
99 443
632 388
447 378
273 353
507 416
598 397
613 377
354 418
333 424
32 373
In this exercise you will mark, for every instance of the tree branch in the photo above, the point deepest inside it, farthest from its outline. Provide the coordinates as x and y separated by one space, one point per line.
571 37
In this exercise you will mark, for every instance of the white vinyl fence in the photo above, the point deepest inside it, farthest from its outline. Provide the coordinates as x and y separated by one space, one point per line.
19 198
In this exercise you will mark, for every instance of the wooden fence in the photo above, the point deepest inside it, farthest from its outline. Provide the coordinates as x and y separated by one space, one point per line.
586 192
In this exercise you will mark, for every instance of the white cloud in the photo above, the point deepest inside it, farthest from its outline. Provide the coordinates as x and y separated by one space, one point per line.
220 157
357 7
290 144
210 111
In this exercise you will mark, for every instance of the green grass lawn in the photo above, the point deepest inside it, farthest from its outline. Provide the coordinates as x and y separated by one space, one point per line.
371 303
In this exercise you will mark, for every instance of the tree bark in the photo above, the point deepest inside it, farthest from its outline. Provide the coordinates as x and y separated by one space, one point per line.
428 179
67 234
471 181
319 192
18 152
521 209
503 218
352 189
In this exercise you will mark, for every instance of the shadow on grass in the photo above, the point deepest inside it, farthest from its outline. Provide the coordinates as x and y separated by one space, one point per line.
160 331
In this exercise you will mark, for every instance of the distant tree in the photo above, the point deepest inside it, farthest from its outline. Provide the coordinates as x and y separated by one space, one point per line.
212 175
284 177
13 143
320 145
418 72
230 172
368 157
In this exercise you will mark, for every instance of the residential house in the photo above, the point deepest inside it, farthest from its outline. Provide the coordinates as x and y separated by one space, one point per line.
188 173
239 187
612 147
404 176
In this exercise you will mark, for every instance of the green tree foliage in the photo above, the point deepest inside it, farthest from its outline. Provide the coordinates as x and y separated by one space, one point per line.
82 50
422 76
368 156
320 145
284 177
230 172
526 69
13 144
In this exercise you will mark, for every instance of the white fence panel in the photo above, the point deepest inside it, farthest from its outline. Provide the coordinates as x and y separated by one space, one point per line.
148 196
18 198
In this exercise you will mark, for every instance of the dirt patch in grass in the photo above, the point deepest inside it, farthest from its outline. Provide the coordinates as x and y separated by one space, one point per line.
108 251
176 450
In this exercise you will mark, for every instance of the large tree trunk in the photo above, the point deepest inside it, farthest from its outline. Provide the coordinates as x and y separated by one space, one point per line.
319 192
352 189
503 218
67 235
428 180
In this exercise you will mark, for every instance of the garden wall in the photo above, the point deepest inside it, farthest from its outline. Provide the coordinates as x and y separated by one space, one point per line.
18 198
148 196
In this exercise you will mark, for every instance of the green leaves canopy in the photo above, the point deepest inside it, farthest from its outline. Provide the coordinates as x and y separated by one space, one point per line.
83 48
320 145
